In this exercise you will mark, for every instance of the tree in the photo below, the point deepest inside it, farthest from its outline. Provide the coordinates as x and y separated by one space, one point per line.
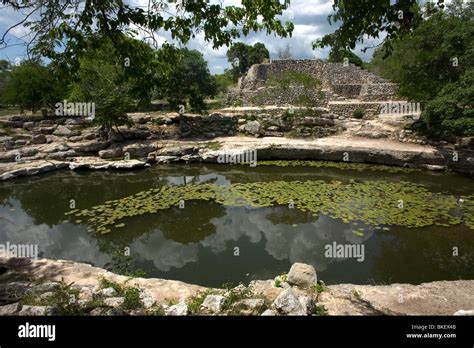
114 84
187 79
438 52
338 55
433 66
5 69
451 113
63 29
242 57
285 53
224 81
32 86
368 18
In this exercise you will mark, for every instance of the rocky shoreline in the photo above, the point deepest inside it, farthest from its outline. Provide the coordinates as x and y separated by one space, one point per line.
33 146
58 287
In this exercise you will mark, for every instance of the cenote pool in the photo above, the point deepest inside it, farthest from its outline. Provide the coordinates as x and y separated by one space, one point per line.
211 224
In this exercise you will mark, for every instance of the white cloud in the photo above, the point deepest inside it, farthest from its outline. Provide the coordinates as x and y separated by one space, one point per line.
310 19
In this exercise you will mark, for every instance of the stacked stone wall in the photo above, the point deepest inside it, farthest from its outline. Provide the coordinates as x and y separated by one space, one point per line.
349 82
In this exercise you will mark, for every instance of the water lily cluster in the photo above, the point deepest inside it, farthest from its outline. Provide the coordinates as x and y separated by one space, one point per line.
374 203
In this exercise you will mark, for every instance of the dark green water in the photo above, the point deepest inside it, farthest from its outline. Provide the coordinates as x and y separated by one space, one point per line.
198 244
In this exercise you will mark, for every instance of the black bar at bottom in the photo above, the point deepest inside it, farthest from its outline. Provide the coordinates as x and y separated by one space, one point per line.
139 331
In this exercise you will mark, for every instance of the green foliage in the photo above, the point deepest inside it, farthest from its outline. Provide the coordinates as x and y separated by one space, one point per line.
224 81
234 295
451 113
113 84
214 146
319 288
287 79
131 299
32 86
187 78
320 310
64 300
5 69
104 283
71 27
422 63
334 199
130 294
368 18
359 114
194 303
338 55
434 66
247 56
281 279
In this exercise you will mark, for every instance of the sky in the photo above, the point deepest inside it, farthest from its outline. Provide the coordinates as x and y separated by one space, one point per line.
308 16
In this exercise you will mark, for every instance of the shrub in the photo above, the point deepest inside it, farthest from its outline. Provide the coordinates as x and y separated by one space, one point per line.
359 114
451 113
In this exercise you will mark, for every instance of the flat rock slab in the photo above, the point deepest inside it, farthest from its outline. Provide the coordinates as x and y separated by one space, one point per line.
84 275
436 298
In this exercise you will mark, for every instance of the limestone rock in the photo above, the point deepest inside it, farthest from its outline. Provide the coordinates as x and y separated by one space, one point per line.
180 309
89 146
111 153
464 313
132 164
114 301
28 125
62 131
288 303
86 294
268 313
249 306
213 303
108 292
46 130
96 312
10 309
307 303
37 310
115 312
139 150
266 289
38 139
148 302
302 275
253 127
48 286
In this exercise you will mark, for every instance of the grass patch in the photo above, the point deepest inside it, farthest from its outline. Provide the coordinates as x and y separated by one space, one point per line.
235 295
64 299
287 79
281 279
320 310
358 114
131 299
214 146
130 294
319 288
195 302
